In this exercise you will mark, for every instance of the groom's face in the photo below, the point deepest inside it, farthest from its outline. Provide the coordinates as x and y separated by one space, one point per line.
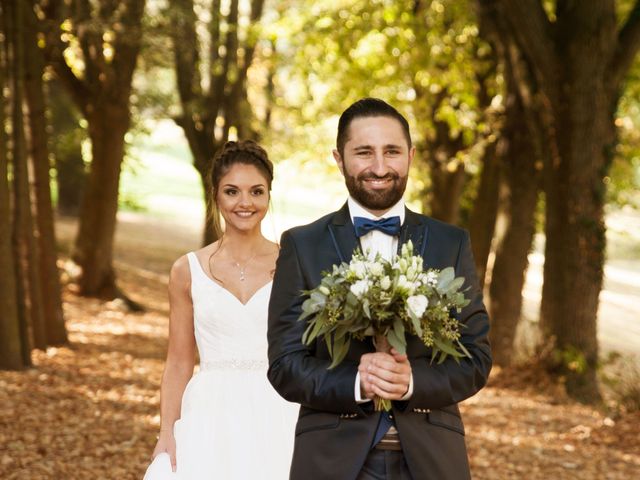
375 162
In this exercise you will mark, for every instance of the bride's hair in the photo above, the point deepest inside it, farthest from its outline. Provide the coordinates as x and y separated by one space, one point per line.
246 152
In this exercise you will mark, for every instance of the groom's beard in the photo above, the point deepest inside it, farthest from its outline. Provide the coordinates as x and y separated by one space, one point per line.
376 199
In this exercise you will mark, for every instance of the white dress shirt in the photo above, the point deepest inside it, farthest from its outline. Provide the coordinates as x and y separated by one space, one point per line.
375 242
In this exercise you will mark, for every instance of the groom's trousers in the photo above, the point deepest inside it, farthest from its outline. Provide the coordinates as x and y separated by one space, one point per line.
385 465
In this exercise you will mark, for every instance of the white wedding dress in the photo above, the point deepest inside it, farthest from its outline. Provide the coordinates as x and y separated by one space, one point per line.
233 424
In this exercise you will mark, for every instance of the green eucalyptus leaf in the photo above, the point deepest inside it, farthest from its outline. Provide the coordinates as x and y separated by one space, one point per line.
445 347
397 342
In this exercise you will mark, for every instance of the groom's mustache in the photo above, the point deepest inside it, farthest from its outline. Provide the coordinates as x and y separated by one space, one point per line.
373 176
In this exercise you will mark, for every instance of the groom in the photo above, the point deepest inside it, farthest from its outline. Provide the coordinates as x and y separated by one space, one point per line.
339 436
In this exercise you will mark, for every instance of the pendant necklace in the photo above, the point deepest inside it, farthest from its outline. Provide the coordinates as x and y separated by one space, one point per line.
243 268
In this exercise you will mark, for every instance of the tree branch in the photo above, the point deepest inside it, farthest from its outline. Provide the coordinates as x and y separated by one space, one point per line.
126 46
219 82
534 33
54 55
628 45
185 46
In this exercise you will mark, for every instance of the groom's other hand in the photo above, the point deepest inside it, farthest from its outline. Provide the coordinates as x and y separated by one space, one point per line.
390 376
385 375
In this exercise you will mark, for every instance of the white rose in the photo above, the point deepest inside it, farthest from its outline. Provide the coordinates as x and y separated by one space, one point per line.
376 269
385 283
417 305
359 288
359 269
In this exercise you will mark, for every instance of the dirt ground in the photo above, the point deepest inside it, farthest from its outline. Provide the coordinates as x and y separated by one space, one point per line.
90 410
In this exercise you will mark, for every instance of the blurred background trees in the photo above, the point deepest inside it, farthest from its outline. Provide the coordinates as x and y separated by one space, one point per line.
524 113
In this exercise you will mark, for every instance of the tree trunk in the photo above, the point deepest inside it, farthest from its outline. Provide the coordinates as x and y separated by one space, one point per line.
56 333
93 251
11 356
447 182
10 343
516 226
24 246
66 142
575 231
483 217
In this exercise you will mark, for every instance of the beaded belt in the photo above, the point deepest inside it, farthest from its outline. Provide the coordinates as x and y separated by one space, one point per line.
235 364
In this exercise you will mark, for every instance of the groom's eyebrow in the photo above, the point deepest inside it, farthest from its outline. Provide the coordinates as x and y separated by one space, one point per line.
371 147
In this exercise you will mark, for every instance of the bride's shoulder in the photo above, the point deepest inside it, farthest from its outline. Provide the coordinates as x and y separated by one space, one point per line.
180 274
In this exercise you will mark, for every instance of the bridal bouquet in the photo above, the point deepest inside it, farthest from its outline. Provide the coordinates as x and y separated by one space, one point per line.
385 299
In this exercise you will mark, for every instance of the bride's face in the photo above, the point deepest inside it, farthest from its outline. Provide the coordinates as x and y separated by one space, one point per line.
243 197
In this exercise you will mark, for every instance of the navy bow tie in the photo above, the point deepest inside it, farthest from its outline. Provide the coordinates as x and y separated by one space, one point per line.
390 226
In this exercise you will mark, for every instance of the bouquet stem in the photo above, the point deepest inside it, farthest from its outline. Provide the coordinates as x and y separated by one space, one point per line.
382 345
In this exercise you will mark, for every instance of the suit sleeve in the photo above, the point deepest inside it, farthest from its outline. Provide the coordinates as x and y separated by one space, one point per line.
450 382
294 371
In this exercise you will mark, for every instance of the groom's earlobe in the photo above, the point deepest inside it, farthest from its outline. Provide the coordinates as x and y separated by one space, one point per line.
338 159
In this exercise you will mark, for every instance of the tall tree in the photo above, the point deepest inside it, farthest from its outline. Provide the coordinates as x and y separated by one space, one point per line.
213 84
520 158
55 331
11 354
30 312
580 56
106 37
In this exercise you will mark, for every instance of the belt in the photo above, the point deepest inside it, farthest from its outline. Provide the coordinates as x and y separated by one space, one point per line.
382 445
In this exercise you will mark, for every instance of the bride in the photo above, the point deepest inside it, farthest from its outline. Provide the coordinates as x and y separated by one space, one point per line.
226 421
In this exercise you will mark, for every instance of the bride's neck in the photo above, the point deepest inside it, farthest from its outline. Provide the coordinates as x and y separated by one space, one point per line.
243 244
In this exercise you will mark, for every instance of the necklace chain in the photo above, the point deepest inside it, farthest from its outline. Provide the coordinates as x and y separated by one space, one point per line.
243 268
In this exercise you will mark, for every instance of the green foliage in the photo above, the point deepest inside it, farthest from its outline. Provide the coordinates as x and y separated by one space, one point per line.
623 181
426 59
570 359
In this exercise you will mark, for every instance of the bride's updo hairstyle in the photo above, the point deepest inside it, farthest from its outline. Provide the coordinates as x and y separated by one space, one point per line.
246 152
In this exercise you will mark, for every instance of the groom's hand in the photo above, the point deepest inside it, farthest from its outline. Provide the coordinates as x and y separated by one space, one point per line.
367 361
385 375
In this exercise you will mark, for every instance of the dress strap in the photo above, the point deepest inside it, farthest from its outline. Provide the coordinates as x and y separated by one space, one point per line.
194 265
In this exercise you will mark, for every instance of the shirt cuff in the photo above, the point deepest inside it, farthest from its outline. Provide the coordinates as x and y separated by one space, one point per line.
356 391
407 395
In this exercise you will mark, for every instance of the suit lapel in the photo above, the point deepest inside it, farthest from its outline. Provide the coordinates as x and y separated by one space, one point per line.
343 234
415 229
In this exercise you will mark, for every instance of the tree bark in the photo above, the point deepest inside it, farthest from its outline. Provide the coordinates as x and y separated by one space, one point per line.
485 210
93 250
30 312
56 333
11 356
66 142
575 232
518 195
447 183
